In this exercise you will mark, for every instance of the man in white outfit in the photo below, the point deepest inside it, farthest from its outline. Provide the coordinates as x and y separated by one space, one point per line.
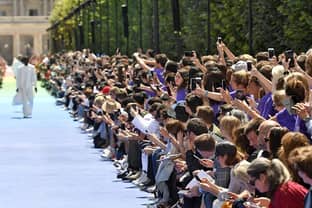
26 80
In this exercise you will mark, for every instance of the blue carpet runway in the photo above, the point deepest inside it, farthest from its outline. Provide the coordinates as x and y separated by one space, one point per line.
45 162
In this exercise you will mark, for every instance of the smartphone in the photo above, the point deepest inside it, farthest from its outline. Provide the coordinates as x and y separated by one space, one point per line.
251 205
249 65
188 53
219 40
240 95
271 52
194 82
183 192
224 196
198 158
289 54
197 178
288 104
223 83
117 51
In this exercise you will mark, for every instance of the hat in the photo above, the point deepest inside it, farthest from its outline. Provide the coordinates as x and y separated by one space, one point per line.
225 148
110 106
123 113
106 90
240 65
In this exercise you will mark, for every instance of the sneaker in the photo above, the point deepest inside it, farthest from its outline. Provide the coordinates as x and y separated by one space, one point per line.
137 181
134 176
88 130
108 153
142 179
122 174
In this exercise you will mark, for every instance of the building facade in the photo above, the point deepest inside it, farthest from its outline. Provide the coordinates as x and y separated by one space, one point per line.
23 25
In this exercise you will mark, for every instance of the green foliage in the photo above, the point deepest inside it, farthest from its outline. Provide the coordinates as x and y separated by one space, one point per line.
280 24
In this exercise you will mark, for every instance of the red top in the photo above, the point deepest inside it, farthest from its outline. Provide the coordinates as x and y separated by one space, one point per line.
289 195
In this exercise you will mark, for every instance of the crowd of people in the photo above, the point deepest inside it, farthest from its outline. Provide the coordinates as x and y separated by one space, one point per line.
207 131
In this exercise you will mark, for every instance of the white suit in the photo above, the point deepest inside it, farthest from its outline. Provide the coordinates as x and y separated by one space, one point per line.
26 80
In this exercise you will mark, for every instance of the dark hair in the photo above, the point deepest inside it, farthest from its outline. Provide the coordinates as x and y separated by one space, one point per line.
197 126
295 89
171 66
253 125
228 149
161 59
184 72
205 142
180 112
193 101
275 138
174 126
206 113
25 60
139 97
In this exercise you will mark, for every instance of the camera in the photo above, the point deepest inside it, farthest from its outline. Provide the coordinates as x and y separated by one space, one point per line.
188 53
219 40
194 82
289 54
271 52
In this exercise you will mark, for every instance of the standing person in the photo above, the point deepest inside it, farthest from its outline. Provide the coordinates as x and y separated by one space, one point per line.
25 81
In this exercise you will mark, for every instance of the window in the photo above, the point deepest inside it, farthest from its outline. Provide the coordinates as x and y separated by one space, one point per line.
33 12
3 13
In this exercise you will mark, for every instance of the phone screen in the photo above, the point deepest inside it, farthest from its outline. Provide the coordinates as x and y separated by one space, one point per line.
194 82
290 55
271 52
223 84
249 65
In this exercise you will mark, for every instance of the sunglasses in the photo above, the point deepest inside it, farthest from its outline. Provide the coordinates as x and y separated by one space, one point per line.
266 140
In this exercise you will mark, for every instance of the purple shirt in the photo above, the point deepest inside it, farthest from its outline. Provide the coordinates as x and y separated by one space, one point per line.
265 106
292 122
181 94
160 74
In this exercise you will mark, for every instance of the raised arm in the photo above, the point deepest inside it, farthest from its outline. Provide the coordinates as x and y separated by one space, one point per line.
141 62
228 52
265 83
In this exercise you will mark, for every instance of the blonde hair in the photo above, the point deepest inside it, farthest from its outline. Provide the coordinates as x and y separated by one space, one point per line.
229 124
241 77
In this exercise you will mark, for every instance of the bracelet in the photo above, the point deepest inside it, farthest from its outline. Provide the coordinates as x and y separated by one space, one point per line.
206 93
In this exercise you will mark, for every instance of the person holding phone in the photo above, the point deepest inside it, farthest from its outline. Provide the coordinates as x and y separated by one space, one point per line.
297 91
181 81
239 82
227 156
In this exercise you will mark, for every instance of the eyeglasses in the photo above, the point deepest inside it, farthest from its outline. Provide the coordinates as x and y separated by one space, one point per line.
266 140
